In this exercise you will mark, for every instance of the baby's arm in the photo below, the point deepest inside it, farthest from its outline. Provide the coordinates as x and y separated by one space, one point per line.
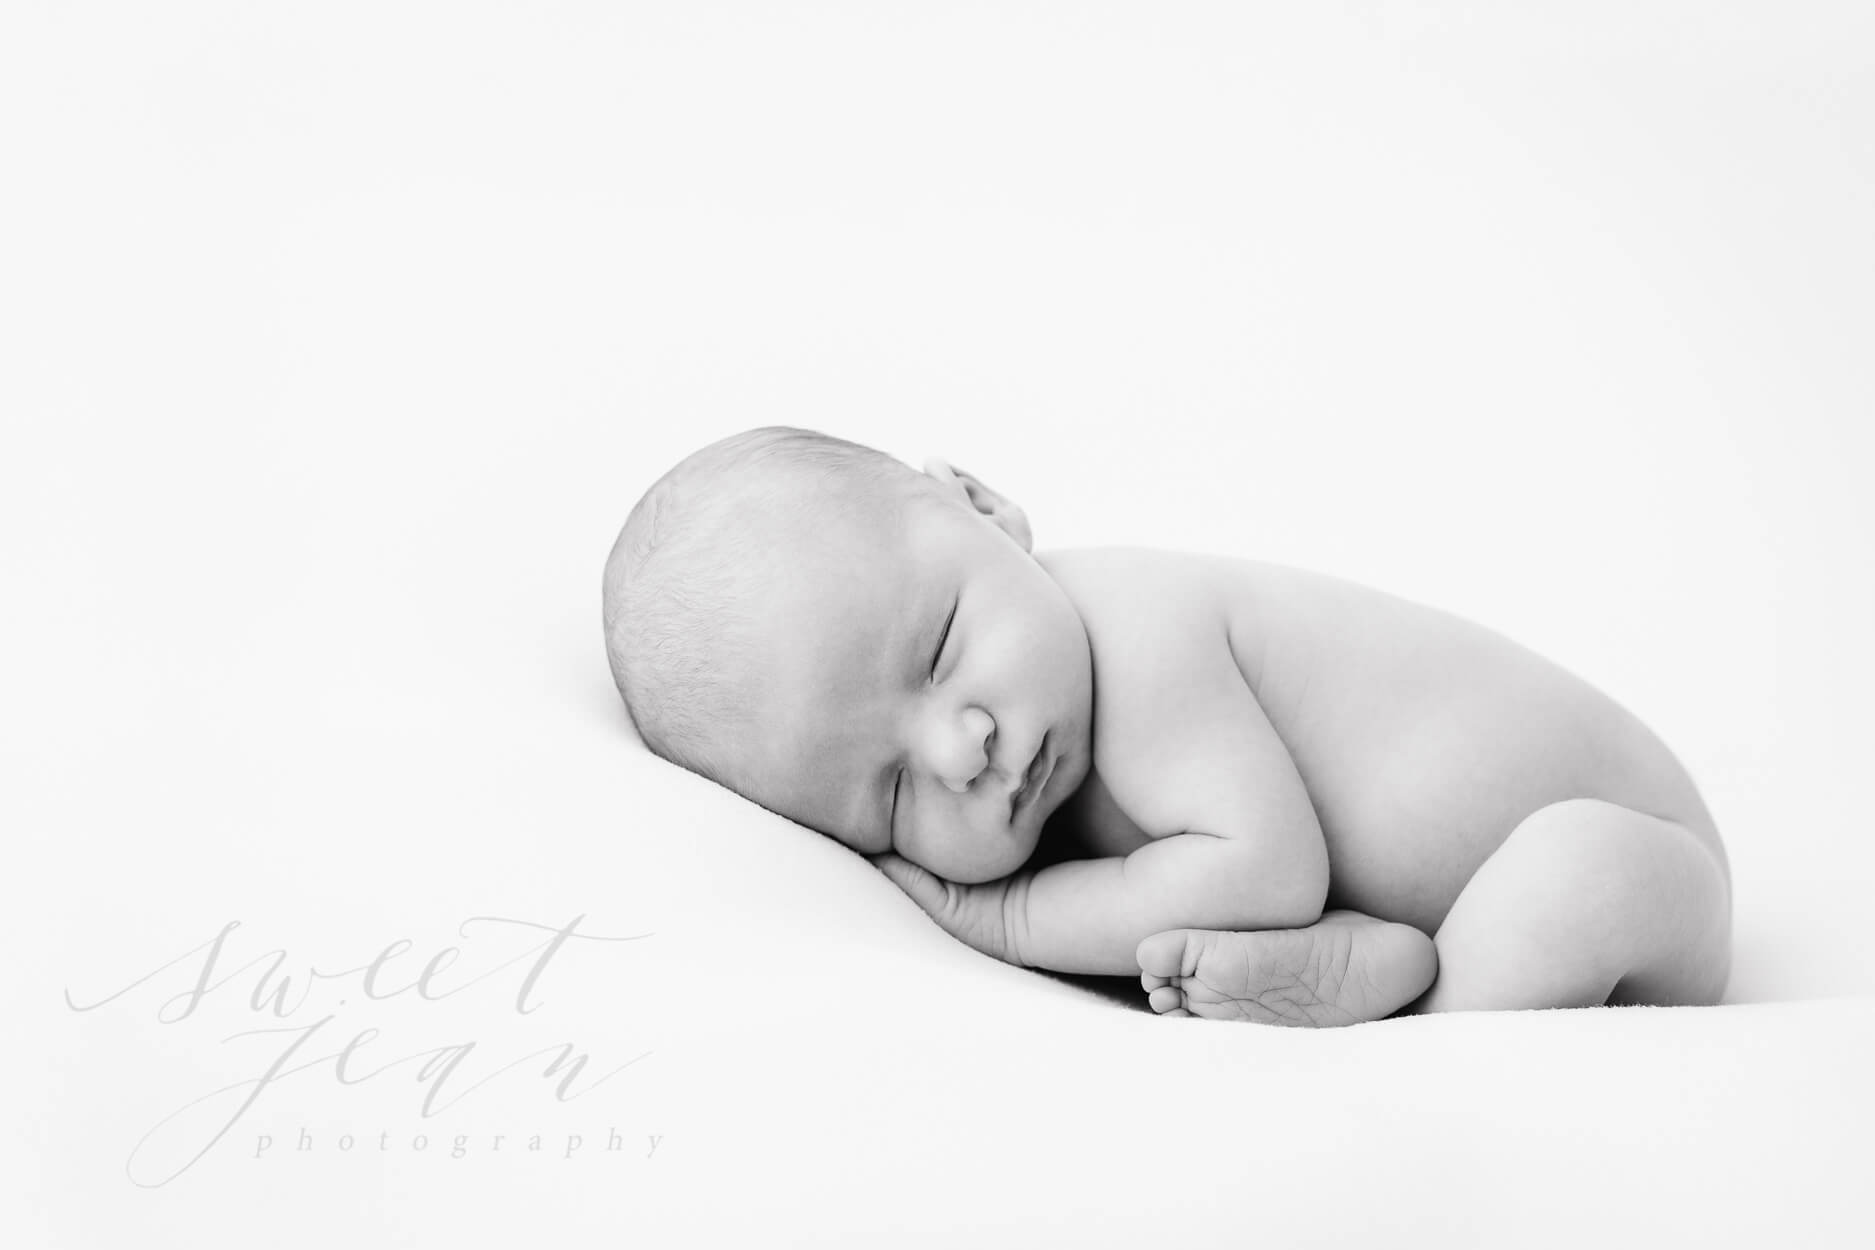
1347 968
1089 915
1186 751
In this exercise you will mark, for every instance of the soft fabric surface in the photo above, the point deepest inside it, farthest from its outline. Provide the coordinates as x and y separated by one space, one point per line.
344 351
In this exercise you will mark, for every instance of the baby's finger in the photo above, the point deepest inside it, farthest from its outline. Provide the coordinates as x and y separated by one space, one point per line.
926 889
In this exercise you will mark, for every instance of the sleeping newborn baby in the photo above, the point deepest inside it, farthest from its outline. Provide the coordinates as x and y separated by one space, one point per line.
1270 794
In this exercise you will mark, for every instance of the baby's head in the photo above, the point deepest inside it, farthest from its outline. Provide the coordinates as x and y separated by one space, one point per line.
870 651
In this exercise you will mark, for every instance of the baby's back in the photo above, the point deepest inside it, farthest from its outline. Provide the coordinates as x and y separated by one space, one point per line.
1423 738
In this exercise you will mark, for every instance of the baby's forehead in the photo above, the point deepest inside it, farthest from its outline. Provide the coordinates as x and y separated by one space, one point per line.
849 591
830 530
828 574
837 621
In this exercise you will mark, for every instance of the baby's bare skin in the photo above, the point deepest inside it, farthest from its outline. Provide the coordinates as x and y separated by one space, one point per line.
1422 741
1266 792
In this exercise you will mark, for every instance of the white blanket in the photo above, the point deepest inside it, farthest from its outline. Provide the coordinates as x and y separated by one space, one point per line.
344 350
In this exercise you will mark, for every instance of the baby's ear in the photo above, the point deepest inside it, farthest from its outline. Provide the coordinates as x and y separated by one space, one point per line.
1009 518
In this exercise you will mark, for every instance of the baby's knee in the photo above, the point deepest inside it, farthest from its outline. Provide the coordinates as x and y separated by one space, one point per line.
1589 851
1645 891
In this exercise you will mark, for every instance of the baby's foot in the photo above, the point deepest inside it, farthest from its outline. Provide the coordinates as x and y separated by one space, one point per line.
1347 969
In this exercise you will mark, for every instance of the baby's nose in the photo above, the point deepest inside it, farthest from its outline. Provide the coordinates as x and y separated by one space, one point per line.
978 733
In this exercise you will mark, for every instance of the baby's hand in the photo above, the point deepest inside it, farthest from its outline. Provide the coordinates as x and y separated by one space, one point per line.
987 916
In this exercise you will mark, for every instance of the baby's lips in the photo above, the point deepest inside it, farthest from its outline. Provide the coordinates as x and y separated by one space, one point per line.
1033 779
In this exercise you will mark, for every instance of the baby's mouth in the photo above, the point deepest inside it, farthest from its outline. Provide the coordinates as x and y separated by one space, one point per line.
1032 781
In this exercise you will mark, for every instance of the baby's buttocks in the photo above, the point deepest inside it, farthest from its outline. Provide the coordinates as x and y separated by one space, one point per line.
1424 738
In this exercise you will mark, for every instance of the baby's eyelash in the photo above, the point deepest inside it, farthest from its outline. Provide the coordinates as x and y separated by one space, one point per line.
942 639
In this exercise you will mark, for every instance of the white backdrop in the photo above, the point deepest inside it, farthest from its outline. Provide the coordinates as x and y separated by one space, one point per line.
339 340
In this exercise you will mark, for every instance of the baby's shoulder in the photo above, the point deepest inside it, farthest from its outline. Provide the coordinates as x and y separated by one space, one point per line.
1123 591
1159 627
1172 704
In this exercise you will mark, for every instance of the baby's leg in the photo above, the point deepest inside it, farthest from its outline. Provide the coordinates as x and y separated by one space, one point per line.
1587 902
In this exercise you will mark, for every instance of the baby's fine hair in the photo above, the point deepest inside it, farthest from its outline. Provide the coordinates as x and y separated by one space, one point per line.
684 576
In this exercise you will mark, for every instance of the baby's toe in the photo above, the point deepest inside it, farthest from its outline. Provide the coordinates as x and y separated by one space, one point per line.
1167 999
1163 955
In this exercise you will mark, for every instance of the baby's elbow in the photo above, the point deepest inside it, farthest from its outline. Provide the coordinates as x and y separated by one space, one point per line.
1239 883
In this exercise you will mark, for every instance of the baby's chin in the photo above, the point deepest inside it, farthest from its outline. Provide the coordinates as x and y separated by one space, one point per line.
1013 848
977 874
